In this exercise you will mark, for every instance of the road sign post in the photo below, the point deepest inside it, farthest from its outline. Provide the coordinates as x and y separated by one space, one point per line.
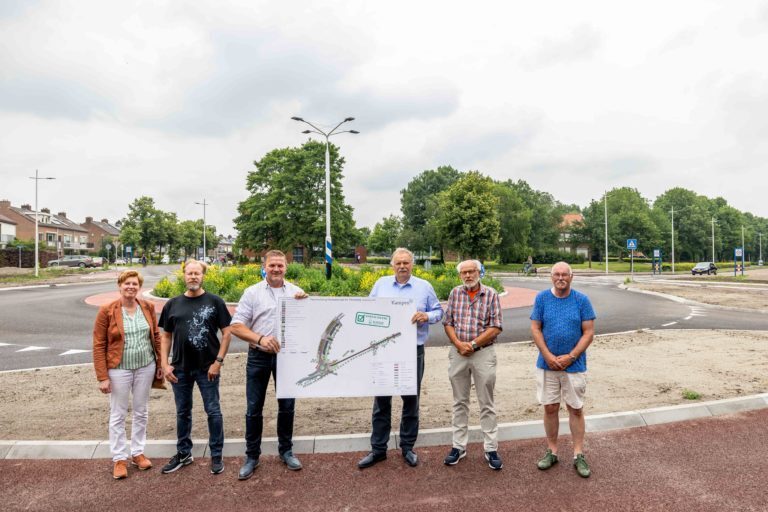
738 254
631 246
656 261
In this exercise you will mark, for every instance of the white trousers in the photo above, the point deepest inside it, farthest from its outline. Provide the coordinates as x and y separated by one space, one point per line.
124 383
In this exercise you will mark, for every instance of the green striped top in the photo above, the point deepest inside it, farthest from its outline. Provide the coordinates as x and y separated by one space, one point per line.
137 351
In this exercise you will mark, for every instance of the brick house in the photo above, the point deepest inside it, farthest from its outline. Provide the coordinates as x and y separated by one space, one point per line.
56 232
98 231
7 231
566 244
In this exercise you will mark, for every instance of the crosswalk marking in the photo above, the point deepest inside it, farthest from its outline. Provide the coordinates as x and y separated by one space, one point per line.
6 344
30 349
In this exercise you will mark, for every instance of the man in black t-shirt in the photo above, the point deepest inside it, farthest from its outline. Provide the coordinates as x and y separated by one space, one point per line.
190 323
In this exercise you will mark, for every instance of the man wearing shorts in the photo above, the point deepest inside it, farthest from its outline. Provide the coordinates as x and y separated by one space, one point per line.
563 325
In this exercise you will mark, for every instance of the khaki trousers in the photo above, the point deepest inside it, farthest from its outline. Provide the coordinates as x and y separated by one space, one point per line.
480 367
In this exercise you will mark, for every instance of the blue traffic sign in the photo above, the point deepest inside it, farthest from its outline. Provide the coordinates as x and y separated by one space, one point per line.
632 243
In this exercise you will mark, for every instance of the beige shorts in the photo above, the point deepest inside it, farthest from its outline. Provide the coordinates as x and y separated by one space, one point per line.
553 387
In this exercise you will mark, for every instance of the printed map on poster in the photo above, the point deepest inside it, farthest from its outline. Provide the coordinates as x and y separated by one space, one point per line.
346 346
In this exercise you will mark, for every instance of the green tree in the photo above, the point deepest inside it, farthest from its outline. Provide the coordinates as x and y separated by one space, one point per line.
143 226
692 224
418 203
286 206
546 215
515 224
385 235
468 219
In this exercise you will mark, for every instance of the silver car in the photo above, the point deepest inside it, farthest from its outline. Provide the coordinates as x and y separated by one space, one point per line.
73 261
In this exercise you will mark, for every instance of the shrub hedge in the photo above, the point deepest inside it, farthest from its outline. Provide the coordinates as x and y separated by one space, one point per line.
230 282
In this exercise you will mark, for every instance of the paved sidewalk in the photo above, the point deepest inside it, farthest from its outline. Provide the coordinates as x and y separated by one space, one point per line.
713 464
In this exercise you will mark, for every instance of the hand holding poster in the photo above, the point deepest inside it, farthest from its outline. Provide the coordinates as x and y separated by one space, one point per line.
346 346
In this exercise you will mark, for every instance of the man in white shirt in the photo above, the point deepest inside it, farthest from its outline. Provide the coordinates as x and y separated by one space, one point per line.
255 322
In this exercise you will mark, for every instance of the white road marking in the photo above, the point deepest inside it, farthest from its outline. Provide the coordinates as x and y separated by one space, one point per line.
688 317
30 349
73 351
667 325
6 344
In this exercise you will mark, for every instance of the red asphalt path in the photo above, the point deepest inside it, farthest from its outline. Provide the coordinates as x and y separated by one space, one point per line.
713 464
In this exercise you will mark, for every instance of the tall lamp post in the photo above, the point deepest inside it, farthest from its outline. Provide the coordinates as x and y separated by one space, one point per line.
37 178
761 247
713 240
204 204
605 204
327 135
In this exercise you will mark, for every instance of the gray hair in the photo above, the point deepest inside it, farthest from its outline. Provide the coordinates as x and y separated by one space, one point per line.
561 263
193 261
401 250
478 265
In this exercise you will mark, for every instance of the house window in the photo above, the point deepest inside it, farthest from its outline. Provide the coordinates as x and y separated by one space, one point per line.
298 254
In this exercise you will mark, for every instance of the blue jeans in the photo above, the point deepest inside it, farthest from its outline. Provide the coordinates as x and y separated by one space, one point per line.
258 369
381 419
182 393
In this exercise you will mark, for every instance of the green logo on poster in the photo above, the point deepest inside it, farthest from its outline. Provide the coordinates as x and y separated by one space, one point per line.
372 319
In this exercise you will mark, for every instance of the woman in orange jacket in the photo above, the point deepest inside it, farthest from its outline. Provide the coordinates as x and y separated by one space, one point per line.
126 357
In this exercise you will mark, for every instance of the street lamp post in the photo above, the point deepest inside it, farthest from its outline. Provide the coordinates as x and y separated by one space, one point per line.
673 240
327 135
605 204
204 204
713 240
37 178
761 247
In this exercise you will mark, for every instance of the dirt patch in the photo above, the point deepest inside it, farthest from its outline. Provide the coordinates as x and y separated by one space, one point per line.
626 372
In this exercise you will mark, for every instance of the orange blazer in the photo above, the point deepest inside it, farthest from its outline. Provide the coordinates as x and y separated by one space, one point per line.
109 336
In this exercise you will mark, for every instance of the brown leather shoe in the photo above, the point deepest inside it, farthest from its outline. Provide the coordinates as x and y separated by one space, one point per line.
141 462
120 470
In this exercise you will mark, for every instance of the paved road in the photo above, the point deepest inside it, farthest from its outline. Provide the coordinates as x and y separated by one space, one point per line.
52 326
707 465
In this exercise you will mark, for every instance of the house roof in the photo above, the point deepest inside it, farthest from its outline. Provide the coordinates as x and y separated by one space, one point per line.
571 218
107 228
6 220
55 221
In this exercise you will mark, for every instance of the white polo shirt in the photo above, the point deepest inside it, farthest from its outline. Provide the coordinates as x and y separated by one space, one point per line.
257 308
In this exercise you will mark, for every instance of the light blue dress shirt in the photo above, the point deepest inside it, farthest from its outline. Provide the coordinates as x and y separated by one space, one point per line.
420 291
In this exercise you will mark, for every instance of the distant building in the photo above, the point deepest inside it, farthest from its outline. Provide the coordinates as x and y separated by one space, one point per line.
7 231
56 232
567 242
224 247
98 231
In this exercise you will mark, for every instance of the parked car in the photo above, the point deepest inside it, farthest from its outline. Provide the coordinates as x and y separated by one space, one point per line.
73 260
704 267
120 261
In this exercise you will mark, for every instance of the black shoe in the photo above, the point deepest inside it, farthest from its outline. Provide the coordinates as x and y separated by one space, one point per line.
291 461
371 459
494 461
411 458
247 469
177 461
217 466
454 456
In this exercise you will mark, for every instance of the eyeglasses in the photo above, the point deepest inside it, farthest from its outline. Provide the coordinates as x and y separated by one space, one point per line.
468 272
561 276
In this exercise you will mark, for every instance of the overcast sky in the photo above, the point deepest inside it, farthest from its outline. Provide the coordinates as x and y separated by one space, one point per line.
175 100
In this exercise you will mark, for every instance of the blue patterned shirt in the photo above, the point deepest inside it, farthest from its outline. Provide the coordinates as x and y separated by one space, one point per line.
561 320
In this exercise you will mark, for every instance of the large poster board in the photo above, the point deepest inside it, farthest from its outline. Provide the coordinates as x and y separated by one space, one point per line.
346 346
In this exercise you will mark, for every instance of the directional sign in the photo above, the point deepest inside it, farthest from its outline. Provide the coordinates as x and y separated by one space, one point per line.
657 253
738 252
632 243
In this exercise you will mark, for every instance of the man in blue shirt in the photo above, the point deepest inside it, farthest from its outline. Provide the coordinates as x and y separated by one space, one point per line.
563 325
428 311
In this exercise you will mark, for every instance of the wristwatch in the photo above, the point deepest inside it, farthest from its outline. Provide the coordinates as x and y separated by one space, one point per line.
220 360
475 346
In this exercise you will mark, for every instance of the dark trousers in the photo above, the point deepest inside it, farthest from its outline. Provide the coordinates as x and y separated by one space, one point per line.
182 394
258 369
381 419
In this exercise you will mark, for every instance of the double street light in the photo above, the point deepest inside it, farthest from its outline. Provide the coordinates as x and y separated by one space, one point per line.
37 178
327 135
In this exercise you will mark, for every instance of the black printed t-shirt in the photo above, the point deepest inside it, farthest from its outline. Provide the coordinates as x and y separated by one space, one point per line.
194 323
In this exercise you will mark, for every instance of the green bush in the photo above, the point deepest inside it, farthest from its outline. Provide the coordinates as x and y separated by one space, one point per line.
230 282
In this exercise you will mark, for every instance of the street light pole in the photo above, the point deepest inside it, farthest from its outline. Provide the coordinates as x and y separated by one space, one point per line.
713 240
605 203
327 135
761 247
37 178
673 240
204 247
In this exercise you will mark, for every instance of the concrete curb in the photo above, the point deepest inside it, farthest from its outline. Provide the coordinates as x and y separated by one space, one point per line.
690 302
361 442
